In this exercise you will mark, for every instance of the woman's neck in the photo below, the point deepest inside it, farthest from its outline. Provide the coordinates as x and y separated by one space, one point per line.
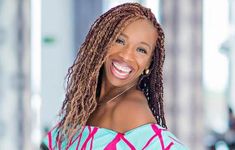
109 91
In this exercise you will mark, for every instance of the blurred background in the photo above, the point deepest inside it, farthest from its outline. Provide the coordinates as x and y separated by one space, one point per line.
40 38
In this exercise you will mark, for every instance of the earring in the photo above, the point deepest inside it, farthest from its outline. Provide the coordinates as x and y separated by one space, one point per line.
146 71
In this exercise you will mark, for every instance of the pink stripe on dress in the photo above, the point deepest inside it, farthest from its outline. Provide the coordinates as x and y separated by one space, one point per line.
91 135
127 142
80 136
50 140
149 141
113 143
158 132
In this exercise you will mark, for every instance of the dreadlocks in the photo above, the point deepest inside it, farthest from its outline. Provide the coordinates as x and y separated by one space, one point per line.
83 75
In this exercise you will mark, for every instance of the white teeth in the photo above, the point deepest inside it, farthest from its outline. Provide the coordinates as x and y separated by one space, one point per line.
122 68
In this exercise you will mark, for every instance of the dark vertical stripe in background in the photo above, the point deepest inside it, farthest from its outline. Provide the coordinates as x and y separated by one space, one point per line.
174 48
174 24
196 73
19 82
169 21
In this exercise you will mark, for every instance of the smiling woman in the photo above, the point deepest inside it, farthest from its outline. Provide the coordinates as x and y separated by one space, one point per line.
131 53
115 88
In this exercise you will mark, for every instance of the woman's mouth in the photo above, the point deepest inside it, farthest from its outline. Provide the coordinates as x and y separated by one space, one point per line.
121 70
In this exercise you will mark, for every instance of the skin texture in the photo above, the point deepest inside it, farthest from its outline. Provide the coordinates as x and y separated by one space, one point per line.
133 48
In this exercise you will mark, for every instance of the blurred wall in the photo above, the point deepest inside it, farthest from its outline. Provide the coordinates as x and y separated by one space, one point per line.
85 14
15 116
231 45
57 55
182 23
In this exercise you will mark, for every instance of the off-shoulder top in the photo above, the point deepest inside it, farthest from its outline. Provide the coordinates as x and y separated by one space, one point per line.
145 137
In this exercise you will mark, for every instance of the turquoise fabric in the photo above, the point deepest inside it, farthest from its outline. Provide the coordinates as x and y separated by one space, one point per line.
148 137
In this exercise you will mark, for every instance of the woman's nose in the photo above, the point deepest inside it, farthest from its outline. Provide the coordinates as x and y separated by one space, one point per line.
127 53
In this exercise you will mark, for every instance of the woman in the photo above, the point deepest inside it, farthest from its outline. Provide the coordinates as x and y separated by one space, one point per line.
114 96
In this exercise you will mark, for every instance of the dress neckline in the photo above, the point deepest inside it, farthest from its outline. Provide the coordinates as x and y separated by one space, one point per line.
125 133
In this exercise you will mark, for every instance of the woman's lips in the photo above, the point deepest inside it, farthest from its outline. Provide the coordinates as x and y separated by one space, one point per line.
120 70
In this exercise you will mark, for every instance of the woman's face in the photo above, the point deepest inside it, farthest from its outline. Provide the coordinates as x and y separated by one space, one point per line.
130 54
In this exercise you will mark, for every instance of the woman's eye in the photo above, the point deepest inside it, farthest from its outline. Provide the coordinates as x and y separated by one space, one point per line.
120 41
142 50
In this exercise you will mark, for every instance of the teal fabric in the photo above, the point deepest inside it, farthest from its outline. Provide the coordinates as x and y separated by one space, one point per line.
148 137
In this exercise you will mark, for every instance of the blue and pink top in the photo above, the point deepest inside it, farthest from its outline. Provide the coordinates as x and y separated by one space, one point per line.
144 137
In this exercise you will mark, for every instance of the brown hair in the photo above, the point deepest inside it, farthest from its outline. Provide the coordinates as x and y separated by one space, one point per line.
83 75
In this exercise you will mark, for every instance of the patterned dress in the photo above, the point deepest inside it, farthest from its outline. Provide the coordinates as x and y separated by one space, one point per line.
144 137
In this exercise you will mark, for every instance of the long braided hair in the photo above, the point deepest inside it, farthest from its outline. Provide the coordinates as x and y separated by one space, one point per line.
83 76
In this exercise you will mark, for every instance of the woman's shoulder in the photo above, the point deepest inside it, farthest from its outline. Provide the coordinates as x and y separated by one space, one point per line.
154 136
169 137
133 111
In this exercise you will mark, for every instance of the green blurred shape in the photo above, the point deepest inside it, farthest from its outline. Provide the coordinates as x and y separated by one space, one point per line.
48 40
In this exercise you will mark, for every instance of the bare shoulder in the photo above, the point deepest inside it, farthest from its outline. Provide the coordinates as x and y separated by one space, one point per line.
133 111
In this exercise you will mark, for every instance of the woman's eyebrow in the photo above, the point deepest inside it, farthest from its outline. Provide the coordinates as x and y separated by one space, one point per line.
145 43
123 34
